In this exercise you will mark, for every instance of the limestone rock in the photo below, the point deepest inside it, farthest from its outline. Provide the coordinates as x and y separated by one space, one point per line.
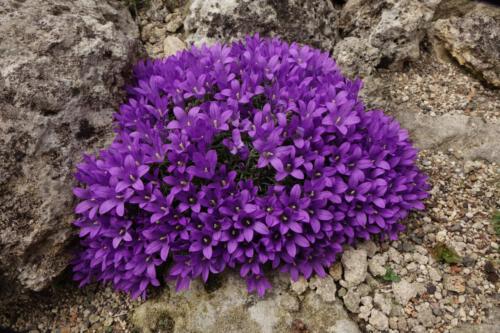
61 72
299 286
383 303
172 45
356 57
355 265
404 291
425 315
336 271
454 283
311 22
382 33
377 264
379 320
473 40
344 326
351 300
325 287
471 137
231 309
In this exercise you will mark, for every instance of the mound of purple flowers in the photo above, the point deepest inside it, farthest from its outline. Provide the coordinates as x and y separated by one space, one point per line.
253 156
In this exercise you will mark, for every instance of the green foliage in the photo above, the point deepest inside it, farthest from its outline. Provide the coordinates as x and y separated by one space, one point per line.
445 254
495 221
390 275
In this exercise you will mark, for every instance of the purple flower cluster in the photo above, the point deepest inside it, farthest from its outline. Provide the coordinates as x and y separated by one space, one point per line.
254 156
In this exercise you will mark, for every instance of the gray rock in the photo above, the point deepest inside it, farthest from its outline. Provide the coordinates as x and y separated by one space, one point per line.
404 291
174 22
434 274
454 283
172 45
355 266
383 303
382 32
473 40
351 300
365 308
489 325
231 309
377 264
425 315
356 57
325 287
369 246
311 22
299 286
379 320
344 326
471 137
336 271
61 67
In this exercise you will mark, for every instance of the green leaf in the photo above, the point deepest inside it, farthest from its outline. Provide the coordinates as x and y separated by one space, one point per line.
391 276
445 254
495 221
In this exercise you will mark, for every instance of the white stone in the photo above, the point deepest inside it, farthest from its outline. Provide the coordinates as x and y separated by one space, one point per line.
377 264
404 291
325 287
355 266
379 320
172 45
299 286
344 326
383 303
434 275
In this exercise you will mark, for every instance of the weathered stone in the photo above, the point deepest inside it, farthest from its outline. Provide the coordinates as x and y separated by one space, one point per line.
351 300
434 275
424 315
61 73
383 303
383 33
231 309
336 271
356 57
344 326
310 22
369 246
325 287
379 320
174 22
471 137
299 286
355 265
473 40
404 291
377 264
172 45
454 283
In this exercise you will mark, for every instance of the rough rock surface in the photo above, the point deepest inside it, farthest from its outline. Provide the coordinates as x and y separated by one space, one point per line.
355 266
61 67
473 40
471 137
312 22
230 308
381 33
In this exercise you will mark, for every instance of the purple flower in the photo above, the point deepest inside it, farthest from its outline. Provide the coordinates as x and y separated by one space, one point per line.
129 174
289 165
204 165
257 156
